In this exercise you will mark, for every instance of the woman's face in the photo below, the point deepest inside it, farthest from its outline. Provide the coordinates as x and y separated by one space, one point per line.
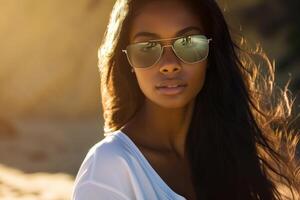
162 20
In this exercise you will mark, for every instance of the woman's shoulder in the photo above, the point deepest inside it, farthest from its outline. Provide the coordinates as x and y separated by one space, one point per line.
107 154
105 167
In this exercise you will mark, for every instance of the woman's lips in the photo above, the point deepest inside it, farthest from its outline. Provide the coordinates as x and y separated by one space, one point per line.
171 86
171 90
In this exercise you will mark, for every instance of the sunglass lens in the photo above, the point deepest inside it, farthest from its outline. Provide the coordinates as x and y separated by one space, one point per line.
192 49
143 54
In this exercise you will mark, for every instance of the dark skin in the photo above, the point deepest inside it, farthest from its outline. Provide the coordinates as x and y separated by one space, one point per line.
172 167
160 127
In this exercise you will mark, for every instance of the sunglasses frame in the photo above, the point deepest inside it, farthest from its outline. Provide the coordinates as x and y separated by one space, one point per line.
167 45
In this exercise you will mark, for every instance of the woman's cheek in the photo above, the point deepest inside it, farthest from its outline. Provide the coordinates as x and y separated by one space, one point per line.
145 83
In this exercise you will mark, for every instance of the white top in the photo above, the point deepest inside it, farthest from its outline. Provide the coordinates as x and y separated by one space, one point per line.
115 169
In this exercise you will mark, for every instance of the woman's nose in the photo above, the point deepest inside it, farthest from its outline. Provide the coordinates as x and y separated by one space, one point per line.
169 64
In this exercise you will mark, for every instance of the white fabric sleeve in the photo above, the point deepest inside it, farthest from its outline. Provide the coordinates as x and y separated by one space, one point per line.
93 191
104 174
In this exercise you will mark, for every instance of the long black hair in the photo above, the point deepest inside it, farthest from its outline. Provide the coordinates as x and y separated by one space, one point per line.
234 146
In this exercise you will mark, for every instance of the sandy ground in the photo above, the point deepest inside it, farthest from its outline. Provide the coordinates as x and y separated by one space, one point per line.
16 184
39 158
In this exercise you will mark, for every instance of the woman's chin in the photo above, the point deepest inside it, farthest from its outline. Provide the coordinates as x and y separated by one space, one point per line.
171 103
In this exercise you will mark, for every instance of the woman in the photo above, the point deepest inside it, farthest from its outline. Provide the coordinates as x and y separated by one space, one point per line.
185 115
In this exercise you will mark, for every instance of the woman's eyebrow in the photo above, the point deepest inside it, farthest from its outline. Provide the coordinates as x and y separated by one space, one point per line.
145 34
179 33
188 29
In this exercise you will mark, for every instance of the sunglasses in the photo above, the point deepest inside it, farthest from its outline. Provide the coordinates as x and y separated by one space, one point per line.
189 49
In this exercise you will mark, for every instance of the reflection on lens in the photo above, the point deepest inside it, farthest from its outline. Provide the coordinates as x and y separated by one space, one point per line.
193 51
189 49
144 54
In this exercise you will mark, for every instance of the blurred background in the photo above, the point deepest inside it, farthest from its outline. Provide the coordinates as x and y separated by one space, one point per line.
49 83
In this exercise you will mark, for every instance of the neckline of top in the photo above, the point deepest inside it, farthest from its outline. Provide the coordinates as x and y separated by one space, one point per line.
147 164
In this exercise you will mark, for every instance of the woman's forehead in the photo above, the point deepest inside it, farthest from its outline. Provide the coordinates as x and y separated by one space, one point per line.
164 18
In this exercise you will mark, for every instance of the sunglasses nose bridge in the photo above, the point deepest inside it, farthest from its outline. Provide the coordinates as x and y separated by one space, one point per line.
166 52
169 62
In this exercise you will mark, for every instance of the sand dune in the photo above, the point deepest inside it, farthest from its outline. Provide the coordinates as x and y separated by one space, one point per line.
15 184
40 159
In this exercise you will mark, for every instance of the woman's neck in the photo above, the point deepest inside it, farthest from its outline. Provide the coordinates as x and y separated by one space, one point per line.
163 129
